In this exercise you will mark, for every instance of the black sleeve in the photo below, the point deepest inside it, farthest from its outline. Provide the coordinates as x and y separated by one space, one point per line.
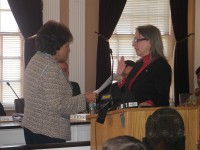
162 84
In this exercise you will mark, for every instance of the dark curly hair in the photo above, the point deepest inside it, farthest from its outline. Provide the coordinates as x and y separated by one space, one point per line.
165 130
198 71
52 36
123 142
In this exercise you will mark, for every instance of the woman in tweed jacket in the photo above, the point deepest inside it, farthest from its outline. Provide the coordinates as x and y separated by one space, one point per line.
47 93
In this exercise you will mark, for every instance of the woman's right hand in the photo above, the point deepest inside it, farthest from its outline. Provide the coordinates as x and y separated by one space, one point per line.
90 96
121 66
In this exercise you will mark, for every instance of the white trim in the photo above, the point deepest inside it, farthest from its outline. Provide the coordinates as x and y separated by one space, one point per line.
77 53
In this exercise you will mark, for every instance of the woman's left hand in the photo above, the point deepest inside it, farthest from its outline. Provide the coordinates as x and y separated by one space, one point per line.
145 104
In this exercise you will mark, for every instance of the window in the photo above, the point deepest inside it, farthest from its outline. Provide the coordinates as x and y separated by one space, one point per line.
11 57
135 13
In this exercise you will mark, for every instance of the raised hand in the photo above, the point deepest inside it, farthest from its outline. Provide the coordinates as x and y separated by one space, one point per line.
121 66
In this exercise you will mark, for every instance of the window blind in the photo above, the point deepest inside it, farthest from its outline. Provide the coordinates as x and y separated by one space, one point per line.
11 57
136 13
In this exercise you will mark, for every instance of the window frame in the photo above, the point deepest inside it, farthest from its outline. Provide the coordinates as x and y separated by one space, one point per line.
167 37
11 64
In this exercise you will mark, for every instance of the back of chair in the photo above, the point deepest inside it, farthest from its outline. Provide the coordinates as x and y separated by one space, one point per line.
165 130
2 111
76 91
19 105
76 88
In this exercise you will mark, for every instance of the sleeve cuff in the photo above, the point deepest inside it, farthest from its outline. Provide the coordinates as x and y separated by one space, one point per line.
150 102
122 82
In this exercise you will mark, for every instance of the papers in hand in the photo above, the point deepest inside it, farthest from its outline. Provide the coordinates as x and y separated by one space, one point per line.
105 84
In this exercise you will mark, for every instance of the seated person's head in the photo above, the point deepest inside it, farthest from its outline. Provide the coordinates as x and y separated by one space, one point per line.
128 68
124 142
198 76
165 130
64 67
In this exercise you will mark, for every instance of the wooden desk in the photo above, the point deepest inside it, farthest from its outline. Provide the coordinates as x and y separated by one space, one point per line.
15 124
82 145
135 120
11 133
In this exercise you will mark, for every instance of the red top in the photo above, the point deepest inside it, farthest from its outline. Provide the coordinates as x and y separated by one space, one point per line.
122 82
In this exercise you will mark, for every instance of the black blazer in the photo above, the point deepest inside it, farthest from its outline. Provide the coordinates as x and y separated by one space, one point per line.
153 83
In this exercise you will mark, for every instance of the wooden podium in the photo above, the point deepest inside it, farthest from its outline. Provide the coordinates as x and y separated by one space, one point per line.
131 121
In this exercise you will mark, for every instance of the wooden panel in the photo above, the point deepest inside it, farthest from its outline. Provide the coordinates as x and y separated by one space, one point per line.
191 122
135 120
101 132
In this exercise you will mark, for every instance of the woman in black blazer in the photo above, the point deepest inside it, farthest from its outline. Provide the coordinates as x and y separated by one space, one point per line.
149 82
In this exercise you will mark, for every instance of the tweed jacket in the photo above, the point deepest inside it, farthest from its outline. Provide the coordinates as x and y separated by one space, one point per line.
48 98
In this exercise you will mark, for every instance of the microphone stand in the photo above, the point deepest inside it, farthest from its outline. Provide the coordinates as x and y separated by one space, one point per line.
12 89
110 50
110 90
103 111
19 102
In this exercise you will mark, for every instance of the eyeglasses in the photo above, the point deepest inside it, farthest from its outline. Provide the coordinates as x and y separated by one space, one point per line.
138 40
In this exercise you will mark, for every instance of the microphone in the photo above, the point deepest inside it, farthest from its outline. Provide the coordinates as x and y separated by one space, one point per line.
19 102
108 82
103 112
12 89
110 79
112 104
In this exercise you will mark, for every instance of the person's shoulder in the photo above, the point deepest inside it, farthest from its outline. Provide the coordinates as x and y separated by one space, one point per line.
74 83
161 61
161 64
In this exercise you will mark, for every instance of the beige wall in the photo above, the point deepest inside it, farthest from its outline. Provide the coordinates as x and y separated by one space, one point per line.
197 38
64 11
92 13
193 42
91 25
191 12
